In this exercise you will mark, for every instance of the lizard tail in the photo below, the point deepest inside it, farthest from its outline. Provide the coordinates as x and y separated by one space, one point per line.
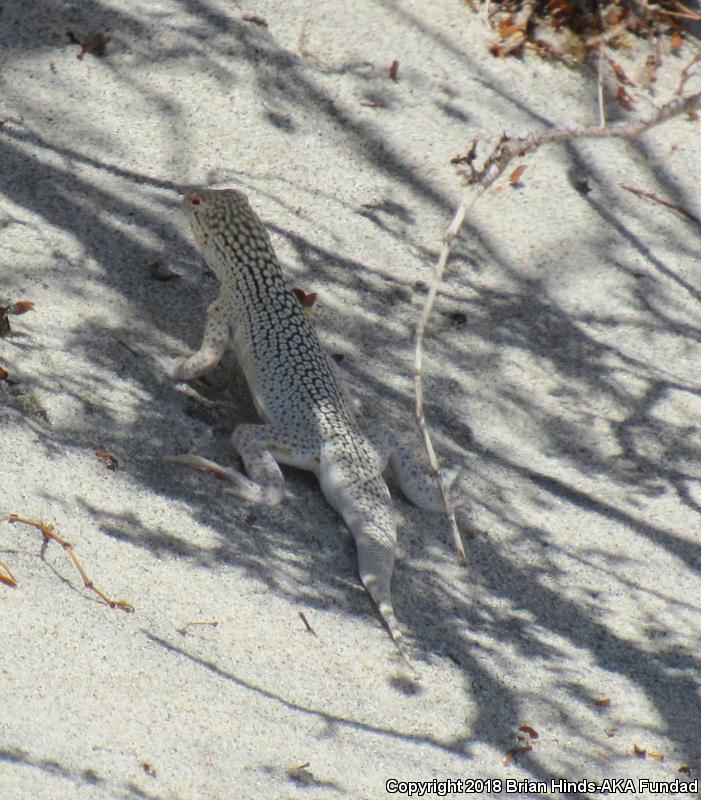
387 613
375 543
380 593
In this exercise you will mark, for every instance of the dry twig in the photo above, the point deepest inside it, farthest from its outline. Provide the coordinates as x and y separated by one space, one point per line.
47 531
506 151
6 575
211 623
306 623
660 201
510 148
600 86
450 234
685 13
686 72
600 69
302 41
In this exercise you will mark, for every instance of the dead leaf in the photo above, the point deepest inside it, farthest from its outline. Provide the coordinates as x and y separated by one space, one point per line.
625 99
656 756
506 29
511 754
677 40
527 736
530 731
640 752
505 22
94 44
20 307
497 50
620 74
603 702
394 69
107 459
3 374
305 300
514 178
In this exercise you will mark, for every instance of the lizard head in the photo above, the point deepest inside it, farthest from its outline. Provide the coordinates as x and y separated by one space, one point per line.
227 231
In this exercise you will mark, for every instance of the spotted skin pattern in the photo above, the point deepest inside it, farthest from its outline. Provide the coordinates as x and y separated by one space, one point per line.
308 420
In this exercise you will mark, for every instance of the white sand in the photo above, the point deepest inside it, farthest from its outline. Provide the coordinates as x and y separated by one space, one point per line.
570 392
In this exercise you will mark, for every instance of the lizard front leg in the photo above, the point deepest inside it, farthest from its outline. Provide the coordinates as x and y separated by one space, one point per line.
214 342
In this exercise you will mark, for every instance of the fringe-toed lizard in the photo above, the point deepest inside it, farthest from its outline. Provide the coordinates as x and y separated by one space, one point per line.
308 420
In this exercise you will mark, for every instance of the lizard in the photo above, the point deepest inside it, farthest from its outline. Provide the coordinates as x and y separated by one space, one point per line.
307 416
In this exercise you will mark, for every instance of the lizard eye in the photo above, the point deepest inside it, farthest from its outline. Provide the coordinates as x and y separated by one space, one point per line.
196 199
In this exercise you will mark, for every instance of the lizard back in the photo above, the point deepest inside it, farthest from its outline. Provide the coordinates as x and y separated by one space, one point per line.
287 370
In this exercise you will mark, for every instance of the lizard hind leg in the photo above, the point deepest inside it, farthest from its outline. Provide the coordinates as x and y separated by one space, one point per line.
419 486
269 494
261 447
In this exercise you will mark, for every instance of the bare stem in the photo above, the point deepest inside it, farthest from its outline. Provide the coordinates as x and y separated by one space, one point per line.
510 148
47 531
6 575
506 151
450 234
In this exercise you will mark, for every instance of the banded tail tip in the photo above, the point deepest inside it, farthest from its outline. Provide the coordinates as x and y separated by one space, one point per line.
388 617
